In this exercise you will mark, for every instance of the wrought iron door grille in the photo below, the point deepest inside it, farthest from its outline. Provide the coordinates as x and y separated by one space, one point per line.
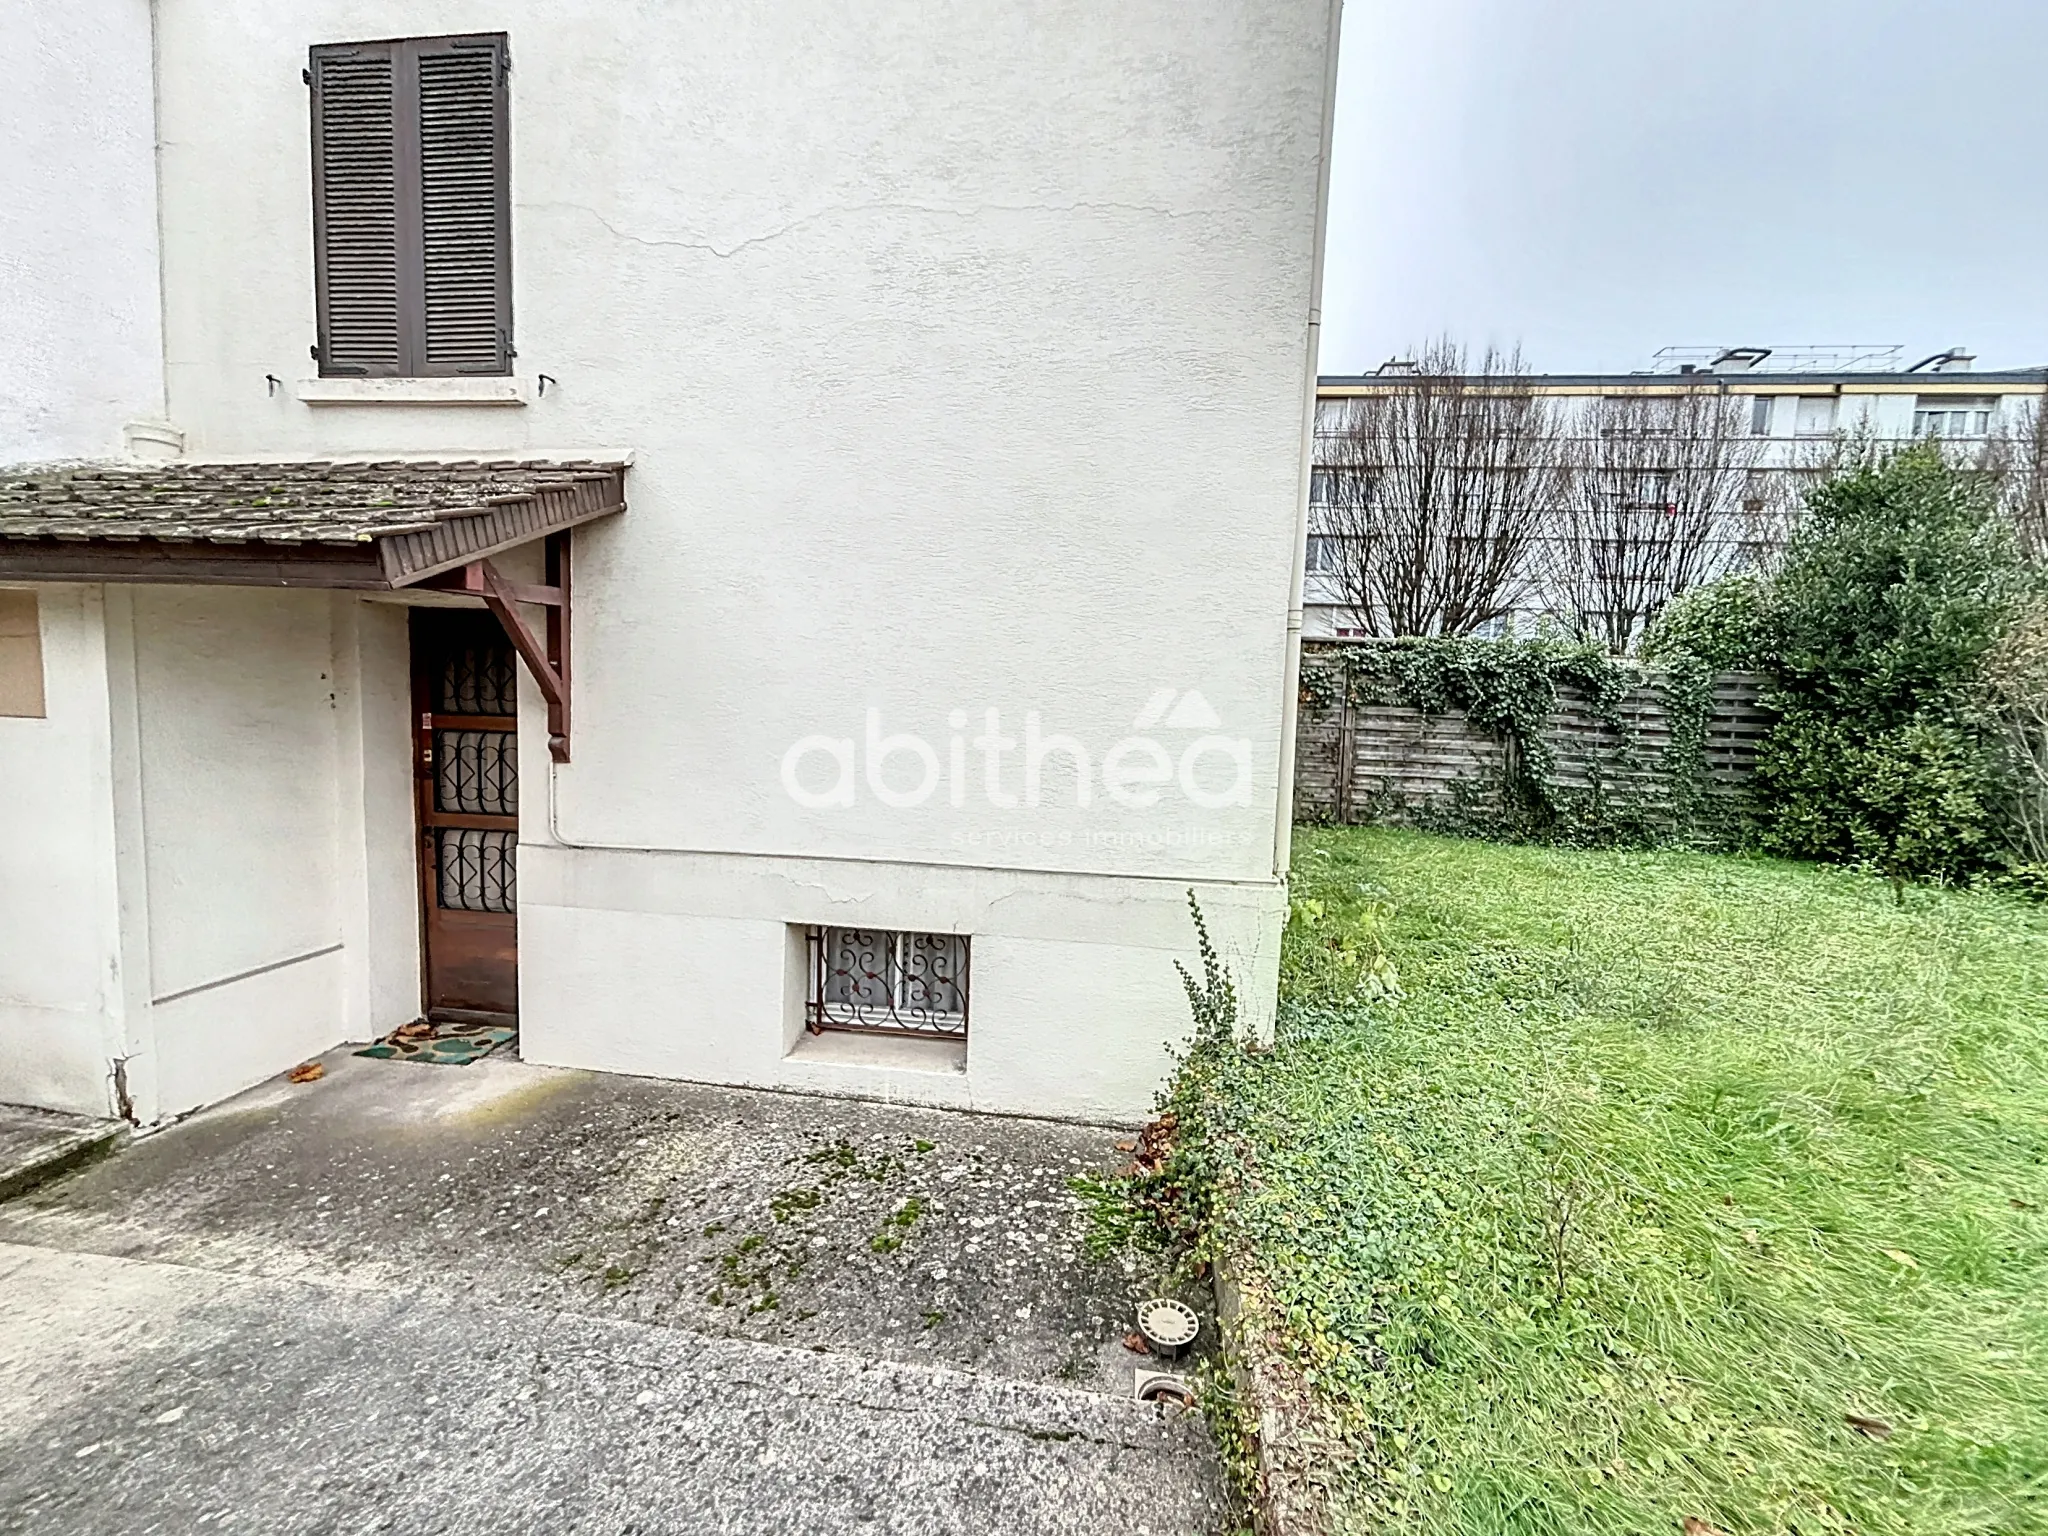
477 871
882 982
476 772
477 680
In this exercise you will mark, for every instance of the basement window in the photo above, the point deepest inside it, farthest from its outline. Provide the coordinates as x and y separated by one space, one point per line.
879 981
21 656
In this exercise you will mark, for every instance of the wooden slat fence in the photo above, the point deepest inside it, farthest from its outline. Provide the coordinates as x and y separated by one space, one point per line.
1403 764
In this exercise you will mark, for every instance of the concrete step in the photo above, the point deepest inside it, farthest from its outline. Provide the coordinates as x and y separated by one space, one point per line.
36 1145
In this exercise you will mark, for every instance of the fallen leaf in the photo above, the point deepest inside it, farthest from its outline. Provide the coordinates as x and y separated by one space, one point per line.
1135 1343
306 1072
1695 1526
1155 1144
1876 1429
1900 1256
2020 1205
1127 1145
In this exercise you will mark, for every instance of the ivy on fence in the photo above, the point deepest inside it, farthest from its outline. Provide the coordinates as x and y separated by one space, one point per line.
1510 690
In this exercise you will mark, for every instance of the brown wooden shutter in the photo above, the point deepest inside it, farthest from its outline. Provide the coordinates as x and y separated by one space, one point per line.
414 250
355 223
465 245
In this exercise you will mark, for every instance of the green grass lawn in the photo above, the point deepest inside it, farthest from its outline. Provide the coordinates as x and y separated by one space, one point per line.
1663 1172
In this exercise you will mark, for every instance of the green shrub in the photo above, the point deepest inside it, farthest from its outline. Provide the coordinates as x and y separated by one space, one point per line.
1898 583
1910 800
1720 624
2016 675
1900 579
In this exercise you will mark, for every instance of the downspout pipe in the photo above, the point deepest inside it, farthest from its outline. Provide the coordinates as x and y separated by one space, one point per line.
1290 696
156 158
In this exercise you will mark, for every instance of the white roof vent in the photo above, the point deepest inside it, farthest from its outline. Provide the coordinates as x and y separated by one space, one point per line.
1397 368
1738 359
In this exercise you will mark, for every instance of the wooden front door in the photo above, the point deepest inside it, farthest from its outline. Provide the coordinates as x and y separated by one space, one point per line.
466 773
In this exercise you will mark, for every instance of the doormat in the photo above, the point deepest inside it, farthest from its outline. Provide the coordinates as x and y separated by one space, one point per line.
447 1045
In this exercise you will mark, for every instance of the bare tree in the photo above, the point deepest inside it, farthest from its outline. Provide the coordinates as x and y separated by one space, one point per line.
2018 456
1665 494
1432 491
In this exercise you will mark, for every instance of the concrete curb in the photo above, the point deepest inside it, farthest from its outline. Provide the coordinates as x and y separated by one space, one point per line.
1294 1468
37 1145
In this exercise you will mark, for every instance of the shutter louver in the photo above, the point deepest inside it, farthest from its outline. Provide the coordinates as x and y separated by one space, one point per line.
464 254
411 207
355 223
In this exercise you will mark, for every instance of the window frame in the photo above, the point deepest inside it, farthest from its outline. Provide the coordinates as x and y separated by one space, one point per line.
1333 562
1829 406
1350 487
1960 416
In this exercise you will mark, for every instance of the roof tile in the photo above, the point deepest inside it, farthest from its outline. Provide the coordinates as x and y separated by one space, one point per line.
307 503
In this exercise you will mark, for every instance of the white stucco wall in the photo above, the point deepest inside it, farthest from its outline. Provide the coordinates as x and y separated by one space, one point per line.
60 953
205 847
239 777
80 334
962 352
265 911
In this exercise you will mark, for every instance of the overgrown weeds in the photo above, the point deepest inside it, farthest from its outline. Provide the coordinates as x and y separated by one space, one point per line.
1187 1157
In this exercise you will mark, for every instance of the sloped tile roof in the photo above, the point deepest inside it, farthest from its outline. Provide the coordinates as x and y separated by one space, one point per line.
339 502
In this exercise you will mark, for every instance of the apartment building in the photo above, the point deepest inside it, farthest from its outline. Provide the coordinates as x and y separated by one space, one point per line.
1790 405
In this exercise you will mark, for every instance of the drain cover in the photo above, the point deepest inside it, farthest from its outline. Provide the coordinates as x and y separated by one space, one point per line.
1168 1324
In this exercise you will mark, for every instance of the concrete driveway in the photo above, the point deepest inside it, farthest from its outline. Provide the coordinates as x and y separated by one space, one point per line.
510 1298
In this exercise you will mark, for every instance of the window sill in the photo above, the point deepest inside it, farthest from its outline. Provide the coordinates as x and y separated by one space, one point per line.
494 389
901 1053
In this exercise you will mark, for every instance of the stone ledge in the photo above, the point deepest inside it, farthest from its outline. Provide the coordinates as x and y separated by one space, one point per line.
37 1145
1292 1465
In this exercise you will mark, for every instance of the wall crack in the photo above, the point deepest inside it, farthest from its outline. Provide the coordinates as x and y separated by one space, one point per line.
835 210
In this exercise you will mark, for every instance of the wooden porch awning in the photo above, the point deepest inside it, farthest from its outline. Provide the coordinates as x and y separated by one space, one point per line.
357 526
365 526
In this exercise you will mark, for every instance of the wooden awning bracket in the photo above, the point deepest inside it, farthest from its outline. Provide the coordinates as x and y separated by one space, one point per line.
547 658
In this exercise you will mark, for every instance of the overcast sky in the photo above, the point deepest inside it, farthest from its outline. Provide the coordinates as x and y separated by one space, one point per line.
1595 179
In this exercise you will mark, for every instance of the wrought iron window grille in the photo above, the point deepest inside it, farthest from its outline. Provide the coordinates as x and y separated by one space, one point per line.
876 981
478 680
476 871
476 773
